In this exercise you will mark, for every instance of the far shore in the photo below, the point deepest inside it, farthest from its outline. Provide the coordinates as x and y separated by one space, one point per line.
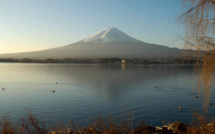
102 61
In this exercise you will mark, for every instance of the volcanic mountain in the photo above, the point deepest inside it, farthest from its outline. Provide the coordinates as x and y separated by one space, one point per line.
109 43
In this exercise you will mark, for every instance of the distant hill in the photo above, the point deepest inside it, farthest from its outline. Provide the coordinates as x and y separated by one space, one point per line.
108 43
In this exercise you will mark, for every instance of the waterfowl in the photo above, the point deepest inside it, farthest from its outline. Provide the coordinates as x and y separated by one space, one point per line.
53 91
196 96
2 88
210 103
180 108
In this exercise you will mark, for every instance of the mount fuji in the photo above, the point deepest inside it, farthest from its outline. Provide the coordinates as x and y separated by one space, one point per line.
109 43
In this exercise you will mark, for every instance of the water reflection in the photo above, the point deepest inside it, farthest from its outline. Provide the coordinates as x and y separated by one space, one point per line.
113 80
105 80
99 89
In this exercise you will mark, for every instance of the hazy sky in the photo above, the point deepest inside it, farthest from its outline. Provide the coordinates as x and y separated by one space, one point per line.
27 25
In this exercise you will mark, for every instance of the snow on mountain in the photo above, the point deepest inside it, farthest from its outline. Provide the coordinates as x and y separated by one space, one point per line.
110 34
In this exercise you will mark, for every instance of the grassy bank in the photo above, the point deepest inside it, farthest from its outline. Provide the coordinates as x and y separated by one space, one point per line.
30 124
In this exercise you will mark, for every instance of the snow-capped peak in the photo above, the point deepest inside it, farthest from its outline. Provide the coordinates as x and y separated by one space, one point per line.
110 34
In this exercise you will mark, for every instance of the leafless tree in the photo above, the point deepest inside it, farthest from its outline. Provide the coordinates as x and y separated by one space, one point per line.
199 24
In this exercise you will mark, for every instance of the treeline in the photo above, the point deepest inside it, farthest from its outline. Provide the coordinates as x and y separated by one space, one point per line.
102 61
65 60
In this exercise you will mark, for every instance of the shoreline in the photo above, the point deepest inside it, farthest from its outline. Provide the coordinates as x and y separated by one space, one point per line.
31 124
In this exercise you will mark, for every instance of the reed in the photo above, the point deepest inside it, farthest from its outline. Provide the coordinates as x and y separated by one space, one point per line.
30 124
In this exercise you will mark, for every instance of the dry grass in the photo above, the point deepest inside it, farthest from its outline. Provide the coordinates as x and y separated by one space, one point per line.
28 125
201 125
32 125
98 126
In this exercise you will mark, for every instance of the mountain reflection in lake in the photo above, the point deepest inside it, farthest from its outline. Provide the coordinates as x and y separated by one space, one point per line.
152 93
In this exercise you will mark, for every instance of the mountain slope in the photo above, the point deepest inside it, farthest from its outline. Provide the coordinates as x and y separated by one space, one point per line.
106 44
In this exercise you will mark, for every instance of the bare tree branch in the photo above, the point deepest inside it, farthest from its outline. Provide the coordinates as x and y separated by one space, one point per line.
199 23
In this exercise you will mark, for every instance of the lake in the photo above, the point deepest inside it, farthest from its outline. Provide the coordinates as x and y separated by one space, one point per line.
151 93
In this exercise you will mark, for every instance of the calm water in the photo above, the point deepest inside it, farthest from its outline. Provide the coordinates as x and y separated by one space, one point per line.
85 91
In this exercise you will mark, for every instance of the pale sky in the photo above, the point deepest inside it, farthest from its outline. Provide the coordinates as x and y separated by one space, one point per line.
29 25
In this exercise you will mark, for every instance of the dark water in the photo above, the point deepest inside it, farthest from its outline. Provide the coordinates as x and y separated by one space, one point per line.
151 93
